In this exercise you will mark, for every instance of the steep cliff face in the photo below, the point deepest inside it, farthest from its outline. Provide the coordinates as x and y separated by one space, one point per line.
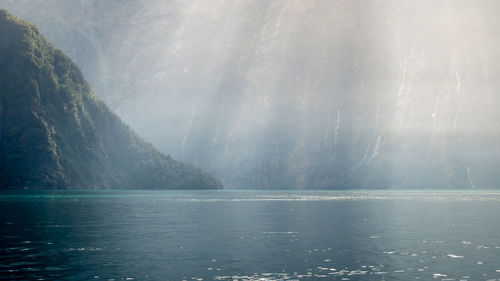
55 133
303 94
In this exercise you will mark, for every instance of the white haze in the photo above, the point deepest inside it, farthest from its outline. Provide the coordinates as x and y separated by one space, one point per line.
297 93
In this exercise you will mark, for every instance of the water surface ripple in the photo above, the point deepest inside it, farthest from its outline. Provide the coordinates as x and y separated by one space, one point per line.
250 235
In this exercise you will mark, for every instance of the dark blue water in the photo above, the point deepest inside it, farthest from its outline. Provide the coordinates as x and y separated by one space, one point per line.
249 235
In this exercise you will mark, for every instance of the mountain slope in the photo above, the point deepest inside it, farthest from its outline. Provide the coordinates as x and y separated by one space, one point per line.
298 94
55 133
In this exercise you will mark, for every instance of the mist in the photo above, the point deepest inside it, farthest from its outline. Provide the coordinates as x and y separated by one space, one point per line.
297 94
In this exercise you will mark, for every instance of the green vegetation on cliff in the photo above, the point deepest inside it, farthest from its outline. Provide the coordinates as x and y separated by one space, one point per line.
55 133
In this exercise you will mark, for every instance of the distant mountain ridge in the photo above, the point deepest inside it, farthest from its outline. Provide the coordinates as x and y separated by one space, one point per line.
297 94
55 133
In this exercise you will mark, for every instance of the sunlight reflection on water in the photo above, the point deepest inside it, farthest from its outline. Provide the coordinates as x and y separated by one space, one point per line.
250 235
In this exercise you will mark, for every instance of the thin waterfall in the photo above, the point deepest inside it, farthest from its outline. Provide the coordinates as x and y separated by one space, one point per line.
188 130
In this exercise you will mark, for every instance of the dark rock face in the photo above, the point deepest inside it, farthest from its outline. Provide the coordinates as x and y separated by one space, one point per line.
282 94
55 133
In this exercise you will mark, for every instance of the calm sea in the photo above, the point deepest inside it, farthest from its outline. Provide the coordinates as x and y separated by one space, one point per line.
250 235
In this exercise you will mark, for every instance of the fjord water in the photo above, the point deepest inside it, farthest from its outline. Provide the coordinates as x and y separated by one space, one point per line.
248 235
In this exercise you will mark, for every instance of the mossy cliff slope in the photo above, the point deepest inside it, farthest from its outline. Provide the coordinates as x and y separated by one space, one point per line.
55 133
